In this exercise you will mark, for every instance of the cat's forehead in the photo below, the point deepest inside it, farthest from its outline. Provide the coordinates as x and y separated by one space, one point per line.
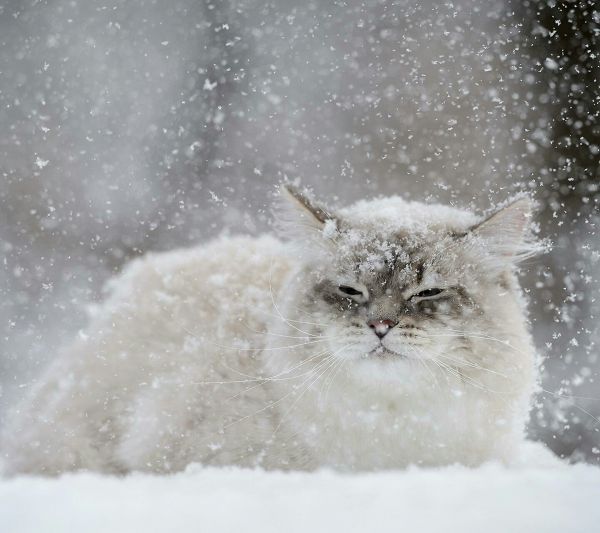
394 216
391 235
375 255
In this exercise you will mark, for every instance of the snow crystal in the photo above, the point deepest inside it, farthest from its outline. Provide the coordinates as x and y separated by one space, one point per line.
550 64
208 86
41 163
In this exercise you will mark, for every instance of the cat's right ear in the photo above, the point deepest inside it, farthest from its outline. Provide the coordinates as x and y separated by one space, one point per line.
506 238
298 214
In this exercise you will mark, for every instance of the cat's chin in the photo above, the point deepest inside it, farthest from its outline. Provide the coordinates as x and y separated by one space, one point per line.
383 352
382 364
379 354
380 369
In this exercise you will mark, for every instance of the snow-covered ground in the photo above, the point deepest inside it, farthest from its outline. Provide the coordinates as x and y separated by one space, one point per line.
485 500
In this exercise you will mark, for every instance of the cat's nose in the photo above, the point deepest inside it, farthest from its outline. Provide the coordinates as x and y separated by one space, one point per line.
381 327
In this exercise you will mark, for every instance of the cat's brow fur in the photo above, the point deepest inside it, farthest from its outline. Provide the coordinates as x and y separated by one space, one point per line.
247 351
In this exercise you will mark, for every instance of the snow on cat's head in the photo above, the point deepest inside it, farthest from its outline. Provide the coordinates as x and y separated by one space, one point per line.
385 282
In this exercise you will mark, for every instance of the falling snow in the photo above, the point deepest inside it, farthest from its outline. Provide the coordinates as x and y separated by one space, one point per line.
131 127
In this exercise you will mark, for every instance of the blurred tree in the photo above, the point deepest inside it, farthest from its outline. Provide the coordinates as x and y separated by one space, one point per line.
559 83
563 40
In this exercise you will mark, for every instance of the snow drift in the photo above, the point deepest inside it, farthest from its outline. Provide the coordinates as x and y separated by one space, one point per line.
489 499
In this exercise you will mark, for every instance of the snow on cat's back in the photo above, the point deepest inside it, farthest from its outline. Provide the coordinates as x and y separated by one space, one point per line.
121 394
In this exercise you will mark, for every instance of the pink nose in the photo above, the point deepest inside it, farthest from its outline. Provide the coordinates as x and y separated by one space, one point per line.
381 327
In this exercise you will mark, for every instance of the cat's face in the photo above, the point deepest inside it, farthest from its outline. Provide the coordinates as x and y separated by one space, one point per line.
386 300
383 290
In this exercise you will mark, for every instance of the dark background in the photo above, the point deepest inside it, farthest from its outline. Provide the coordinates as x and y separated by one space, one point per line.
145 125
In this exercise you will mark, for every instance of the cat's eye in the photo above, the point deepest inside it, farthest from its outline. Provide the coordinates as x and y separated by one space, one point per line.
427 293
358 294
350 291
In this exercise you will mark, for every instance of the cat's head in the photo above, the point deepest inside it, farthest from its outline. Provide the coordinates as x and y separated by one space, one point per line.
391 280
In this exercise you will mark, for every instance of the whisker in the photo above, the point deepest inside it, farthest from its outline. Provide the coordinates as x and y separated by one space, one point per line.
424 365
299 397
478 335
291 319
274 303
306 388
291 336
341 364
272 404
237 348
579 407
335 371
471 364
277 378
261 379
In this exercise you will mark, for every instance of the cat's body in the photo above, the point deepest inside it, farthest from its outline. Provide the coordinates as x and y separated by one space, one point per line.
381 341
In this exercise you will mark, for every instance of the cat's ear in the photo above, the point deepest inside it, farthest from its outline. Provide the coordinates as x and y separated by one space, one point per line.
299 214
507 233
306 208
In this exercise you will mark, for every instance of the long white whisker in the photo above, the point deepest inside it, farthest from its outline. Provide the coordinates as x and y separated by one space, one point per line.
292 319
291 336
272 404
278 378
237 348
274 303
319 373
336 372
262 379
470 364
305 389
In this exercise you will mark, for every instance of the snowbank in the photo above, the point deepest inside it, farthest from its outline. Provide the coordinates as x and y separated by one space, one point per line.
490 499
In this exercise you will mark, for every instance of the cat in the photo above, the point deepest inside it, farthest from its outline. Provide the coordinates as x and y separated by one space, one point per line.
385 334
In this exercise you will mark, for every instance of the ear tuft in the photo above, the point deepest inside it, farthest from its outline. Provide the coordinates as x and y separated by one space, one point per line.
308 210
308 225
507 233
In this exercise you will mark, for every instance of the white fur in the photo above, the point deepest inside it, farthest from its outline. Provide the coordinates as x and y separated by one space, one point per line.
202 355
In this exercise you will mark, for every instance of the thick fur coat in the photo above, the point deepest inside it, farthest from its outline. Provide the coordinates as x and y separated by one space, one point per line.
381 335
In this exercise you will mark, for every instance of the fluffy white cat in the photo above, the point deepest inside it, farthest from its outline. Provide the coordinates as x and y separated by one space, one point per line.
384 334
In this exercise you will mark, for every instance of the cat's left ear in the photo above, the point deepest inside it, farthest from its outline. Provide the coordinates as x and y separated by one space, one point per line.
506 234
299 215
305 207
